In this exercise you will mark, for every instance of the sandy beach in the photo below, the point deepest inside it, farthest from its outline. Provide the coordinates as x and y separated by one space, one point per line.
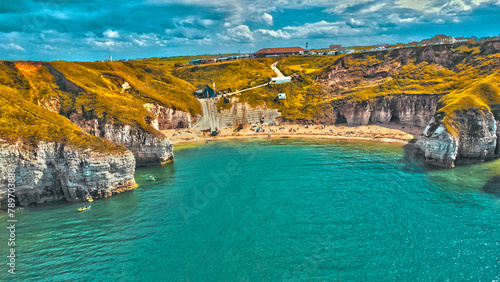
382 133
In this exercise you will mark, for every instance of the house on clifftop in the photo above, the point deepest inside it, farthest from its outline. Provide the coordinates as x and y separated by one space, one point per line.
206 92
281 51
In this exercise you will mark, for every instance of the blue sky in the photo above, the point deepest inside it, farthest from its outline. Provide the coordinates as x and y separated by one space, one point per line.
94 29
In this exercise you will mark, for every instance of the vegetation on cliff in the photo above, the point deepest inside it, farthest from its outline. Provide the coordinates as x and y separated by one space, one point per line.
22 119
230 76
113 92
481 98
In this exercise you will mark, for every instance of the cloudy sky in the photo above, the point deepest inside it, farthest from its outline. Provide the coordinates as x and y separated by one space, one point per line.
94 29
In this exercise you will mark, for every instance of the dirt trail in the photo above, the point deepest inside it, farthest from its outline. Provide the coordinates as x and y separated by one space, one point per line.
210 119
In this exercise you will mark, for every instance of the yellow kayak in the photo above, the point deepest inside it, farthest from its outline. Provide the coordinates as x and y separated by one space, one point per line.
84 209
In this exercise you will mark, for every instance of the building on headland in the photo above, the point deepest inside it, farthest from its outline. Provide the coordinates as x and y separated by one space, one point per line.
205 92
442 39
281 51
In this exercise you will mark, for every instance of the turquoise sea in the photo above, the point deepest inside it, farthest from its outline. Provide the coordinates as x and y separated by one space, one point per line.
270 210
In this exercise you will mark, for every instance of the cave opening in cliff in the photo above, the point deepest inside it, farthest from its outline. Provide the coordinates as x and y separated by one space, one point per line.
180 124
394 118
340 119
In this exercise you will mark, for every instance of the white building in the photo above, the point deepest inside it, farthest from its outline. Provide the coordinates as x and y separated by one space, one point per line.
280 79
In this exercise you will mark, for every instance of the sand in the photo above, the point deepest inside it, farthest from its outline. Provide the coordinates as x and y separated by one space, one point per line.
381 133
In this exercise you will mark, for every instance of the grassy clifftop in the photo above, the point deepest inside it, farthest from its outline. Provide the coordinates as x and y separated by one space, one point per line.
109 91
235 75
21 118
482 97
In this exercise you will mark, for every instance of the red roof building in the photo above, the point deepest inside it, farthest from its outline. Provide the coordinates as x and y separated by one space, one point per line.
282 51
441 38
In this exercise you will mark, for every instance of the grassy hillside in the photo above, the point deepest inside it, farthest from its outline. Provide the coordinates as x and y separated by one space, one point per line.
483 96
21 118
235 75
109 91
437 69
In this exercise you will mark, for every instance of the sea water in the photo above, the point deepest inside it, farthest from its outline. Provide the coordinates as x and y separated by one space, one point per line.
267 210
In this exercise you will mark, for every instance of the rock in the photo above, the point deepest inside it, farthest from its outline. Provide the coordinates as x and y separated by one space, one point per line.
406 109
52 171
493 186
166 118
475 142
148 148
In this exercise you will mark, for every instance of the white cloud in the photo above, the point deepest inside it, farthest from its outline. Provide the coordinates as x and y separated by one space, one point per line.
372 8
12 47
323 29
240 34
355 23
274 33
424 6
268 19
341 6
394 18
453 7
111 34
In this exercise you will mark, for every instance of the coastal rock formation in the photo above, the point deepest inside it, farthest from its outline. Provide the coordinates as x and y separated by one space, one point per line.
477 140
148 148
165 118
406 109
51 171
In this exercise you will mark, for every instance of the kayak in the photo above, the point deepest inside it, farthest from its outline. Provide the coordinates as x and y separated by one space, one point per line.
151 179
84 209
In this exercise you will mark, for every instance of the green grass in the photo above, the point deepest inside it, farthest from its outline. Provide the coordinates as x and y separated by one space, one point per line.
22 119
230 76
481 97
93 89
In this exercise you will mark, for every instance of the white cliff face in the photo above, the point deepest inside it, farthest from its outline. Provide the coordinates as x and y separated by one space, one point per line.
166 118
148 149
406 109
55 172
477 142
439 146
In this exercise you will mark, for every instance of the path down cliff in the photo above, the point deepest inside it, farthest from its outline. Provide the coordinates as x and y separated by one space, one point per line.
211 117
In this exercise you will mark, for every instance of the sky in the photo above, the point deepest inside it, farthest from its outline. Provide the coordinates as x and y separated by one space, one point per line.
92 30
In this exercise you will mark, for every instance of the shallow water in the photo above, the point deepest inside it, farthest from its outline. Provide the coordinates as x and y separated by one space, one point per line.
274 210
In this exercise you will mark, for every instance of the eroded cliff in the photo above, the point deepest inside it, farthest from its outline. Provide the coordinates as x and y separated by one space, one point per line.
148 148
50 171
166 118
465 127
406 109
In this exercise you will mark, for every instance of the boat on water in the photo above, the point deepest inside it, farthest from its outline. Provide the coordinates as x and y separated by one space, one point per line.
151 178
84 208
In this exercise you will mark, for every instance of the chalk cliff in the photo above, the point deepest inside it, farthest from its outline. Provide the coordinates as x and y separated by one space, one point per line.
476 142
406 109
148 148
166 118
52 171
